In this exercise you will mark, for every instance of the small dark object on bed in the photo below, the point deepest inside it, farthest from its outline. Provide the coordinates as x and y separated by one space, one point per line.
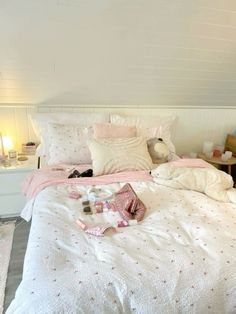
87 173
87 209
74 174
77 174
85 203
30 144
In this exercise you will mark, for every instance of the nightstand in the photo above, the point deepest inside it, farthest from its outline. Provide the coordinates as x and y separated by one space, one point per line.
218 161
12 200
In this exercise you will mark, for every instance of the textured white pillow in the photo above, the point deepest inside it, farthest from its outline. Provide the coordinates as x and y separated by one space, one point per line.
117 155
40 122
68 144
149 126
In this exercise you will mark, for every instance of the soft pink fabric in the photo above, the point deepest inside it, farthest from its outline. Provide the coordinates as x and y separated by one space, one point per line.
128 204
96 229
106 130
122 223
74 194
41 178
191 162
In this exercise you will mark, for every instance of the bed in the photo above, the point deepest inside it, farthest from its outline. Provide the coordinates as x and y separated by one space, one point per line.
181 258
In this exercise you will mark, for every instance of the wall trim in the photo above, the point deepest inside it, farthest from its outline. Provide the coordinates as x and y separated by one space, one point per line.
89 106
17 106
84 106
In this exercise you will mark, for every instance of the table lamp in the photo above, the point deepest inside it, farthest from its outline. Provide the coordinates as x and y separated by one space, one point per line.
6 144
2 147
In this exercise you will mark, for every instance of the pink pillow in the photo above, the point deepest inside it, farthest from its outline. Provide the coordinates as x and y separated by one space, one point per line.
106 130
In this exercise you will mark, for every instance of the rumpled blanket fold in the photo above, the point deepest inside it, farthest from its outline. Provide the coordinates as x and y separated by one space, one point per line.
213 182
42 178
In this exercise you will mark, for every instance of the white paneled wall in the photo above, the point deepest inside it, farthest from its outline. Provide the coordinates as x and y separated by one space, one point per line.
119 52
193 125
131 56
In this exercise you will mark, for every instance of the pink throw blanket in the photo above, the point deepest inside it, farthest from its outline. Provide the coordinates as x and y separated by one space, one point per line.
191 163
42 178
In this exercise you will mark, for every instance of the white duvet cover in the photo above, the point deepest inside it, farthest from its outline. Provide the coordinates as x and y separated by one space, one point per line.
180 259
215 183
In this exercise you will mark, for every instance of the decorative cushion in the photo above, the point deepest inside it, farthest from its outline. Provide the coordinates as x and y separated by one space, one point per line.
68 144
105 130
117 155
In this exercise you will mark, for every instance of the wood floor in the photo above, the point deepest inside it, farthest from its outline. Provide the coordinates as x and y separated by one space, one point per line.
16 262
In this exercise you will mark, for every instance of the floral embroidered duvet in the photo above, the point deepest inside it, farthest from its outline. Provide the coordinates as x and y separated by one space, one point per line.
181 258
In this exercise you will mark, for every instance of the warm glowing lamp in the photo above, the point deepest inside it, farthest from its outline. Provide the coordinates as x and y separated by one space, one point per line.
2 146
6 144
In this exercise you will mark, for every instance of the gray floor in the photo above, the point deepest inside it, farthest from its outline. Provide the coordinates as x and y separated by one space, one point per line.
16 262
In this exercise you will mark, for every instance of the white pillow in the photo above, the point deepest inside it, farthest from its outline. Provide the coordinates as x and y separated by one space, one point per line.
68 144
40 122
112 155
149 126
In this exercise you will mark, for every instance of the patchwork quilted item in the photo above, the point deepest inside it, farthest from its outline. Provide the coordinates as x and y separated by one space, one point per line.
96 229
128 204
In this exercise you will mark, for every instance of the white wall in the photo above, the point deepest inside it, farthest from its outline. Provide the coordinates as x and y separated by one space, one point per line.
192 127
119 52
131 56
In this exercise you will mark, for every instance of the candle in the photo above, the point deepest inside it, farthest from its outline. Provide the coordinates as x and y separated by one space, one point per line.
207 147
224 157
228 154
218 150
12 154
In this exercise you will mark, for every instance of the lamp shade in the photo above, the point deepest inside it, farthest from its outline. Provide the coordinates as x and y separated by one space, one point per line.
6 144
2 146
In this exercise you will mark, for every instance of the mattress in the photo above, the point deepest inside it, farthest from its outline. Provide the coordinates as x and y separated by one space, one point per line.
181 258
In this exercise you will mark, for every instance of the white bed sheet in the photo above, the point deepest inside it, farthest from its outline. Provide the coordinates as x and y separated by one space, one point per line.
180 259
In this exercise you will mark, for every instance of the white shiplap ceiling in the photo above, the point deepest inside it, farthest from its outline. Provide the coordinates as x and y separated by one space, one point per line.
123 52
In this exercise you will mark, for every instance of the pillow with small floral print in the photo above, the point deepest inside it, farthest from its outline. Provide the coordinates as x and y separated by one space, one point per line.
40 122
68 144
